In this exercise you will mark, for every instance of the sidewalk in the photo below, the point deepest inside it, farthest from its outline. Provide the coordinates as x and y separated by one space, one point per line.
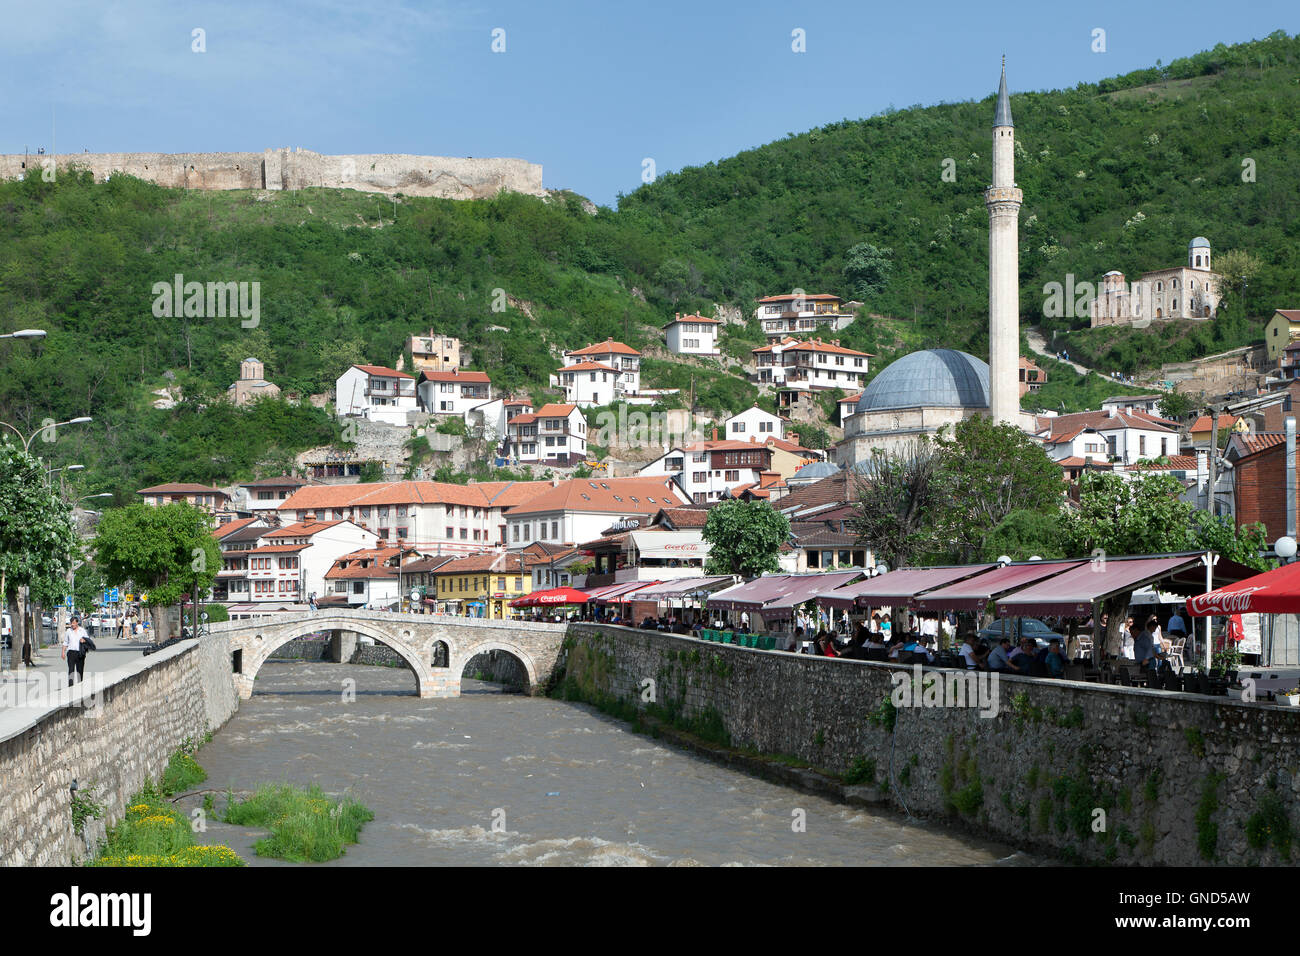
110 654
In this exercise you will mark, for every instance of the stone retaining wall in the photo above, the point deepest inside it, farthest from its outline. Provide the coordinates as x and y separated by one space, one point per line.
111 735
1181 778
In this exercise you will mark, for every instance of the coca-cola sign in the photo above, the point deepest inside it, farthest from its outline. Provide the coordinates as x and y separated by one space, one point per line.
1223 602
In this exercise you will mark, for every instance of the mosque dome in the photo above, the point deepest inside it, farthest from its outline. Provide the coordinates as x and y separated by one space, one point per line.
1200 242
939 378
815 471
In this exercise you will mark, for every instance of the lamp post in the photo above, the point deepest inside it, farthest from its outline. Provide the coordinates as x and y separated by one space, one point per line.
1285 548
27 439
25 334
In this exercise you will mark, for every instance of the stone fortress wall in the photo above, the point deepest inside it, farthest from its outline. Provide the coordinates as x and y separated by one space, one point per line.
441 177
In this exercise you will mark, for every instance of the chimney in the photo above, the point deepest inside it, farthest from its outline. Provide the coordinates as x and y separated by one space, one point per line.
715 434
1112 412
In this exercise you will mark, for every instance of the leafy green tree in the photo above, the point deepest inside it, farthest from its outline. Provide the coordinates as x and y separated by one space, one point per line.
37 535
991 471
867 269
1023 534
1176 406
167 551
897 502
746 537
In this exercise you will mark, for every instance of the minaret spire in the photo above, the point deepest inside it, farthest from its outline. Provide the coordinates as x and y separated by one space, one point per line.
1003 201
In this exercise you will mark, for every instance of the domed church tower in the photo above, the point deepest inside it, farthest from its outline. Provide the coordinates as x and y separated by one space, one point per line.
1003 200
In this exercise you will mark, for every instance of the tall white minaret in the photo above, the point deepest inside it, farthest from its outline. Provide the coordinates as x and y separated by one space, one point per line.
1003 200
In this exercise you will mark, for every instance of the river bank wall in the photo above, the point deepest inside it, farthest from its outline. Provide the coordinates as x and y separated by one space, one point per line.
1083 772
110 734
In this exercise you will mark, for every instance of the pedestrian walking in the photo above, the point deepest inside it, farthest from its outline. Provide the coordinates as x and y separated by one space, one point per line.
76 643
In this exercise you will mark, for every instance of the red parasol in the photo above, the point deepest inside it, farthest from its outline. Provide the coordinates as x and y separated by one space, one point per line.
1273 592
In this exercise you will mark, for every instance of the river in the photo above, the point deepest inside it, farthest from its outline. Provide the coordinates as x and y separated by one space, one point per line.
494 778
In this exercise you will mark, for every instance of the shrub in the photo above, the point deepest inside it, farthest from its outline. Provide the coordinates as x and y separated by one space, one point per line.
306 826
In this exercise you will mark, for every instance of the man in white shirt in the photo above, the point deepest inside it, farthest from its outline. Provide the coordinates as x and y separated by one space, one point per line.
73 635
969 653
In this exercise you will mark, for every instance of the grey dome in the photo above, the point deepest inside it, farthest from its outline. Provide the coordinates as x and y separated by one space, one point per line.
815 471
1200 242
943 378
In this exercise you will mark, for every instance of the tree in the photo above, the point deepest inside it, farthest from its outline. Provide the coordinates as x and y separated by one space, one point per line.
990 471
37 534
898 498
745 537
167 551
1023 534
867 269
1176 406
1237 268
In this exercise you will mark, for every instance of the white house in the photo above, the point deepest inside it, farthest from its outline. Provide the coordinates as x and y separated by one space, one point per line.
452 392
367 577
554 434
588 383
755 423
1129 436
624 360
580 509
265 494
692 335
813 364
797 313
319 544
703 470
377 393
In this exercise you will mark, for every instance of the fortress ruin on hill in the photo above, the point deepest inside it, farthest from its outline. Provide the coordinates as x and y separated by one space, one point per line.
441 177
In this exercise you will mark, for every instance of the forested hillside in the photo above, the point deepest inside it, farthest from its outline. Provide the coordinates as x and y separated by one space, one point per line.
1117 175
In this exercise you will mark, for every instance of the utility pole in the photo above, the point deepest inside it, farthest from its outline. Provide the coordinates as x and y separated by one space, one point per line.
1212 461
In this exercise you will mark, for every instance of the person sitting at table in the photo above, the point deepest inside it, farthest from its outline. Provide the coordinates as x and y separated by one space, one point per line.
998 659
1146 646
1053 659
919 649
823 645
856 650
1021 658
972 652
796 642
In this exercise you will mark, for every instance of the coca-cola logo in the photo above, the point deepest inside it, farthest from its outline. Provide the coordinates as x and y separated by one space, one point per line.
1230 602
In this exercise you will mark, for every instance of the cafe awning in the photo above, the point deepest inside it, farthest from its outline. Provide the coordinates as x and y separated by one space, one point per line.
1273 592
974 594
897 587
1073 593
683 588
805 588
751 595
666 545
618 593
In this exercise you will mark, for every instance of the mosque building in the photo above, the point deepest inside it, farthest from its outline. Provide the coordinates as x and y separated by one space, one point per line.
924 391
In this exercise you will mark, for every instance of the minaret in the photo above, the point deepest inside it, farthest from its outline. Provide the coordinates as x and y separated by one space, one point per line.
1003 200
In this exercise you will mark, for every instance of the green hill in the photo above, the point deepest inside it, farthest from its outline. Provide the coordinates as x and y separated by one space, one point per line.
1116 175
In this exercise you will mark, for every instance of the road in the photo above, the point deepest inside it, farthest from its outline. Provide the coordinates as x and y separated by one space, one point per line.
1038 344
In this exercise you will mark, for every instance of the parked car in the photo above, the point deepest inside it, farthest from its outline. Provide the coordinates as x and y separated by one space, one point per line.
47 621
1028 627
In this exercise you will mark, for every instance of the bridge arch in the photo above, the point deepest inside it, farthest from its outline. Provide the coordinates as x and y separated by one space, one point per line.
462 659
261 642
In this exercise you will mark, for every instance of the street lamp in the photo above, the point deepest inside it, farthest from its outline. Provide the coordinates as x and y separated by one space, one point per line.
25 334
1285 548
27 440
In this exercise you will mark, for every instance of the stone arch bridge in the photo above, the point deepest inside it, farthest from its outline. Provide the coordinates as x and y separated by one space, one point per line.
437 647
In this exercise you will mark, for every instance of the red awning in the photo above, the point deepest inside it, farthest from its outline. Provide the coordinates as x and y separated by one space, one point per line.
805 588
974 594
614 593
1073 593
751 595
683 588
1273 592
553 597
897 587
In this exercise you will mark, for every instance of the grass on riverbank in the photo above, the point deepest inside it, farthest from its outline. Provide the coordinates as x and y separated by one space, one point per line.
306 826
156 834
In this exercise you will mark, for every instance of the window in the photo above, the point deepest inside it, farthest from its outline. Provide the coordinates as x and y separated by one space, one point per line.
358 587
764 426
516 532
451 533
402 532
464 534
700 477
519 584
1142 444
555 531
732 476
501 584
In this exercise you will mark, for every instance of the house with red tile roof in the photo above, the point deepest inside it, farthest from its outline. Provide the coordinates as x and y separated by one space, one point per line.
600 373
265 494
452 392
376 393
753 422
369 577
1128 437
801 313
555 434
580 509
212 500
797 369
267 569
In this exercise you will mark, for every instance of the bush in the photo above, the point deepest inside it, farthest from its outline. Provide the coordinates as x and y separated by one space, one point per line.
182 773
306 826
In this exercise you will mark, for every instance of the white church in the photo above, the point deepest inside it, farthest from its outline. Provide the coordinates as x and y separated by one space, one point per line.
923 391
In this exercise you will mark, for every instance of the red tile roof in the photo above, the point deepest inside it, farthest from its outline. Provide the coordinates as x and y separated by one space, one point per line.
851 398
820 296
503 562
230 527
277 549
588 367
1100 420
380 372
1205 423
456 375
525 419
556 410
1291 315
1254 444
608 347
612 495
811 345
1176 463
316 497
694 318
300 529
180 487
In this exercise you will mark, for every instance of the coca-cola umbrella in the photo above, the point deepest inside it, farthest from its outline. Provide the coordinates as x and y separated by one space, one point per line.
1273 592
552 598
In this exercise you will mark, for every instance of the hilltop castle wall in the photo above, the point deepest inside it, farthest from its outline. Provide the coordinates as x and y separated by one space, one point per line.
438 176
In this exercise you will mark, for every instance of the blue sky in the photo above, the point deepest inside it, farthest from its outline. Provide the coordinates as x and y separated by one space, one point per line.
587 89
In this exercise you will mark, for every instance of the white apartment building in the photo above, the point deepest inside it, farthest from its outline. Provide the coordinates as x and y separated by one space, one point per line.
266 494
692 335
377 393
452 392
754 423
588 384
1128 437
554 434
799 314
810 365
321 543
